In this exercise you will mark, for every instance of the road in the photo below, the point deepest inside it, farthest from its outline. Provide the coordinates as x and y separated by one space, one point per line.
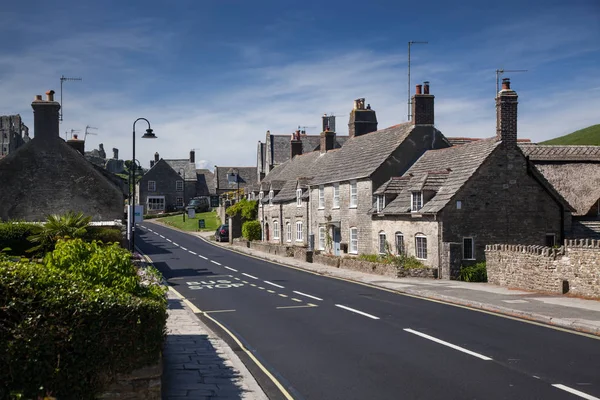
326 338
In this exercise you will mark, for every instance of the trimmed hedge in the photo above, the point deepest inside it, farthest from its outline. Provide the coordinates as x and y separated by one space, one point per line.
71 325
104 234
13 235
251 230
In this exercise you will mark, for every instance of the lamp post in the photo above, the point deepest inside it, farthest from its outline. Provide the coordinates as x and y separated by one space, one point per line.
182 173
131 179
148 135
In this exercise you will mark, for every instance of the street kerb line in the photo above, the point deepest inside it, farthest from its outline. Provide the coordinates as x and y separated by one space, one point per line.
357 311
249 276
453 346
575 392
232 269
196 310
274 284
308 295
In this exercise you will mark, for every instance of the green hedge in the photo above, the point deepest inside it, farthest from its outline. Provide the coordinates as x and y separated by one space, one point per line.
251 230
13 235
70 324
473 273
104 234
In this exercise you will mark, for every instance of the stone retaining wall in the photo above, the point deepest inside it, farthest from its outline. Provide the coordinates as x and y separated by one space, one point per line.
143 383
386 269
326 260
573 268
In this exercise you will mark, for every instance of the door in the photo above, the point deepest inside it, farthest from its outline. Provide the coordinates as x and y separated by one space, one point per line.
337 238
266 232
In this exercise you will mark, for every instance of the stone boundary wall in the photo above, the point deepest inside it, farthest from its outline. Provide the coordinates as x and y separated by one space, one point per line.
300 253
573 268
142 383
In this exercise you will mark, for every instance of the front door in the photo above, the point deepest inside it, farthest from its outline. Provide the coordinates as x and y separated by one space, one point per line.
266 232
337 238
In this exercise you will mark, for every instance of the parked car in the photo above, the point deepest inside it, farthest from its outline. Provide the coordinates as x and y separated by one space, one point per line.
222 233
200 204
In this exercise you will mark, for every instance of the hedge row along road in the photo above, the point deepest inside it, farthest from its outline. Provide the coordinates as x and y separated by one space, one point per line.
323 338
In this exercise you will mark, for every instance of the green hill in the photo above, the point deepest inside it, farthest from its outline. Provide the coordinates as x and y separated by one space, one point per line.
585 136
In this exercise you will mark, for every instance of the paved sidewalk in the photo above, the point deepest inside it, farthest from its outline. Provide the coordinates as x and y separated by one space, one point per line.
561 311
198 365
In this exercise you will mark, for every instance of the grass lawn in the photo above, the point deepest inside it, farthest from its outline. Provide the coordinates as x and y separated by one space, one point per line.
586 136
211 221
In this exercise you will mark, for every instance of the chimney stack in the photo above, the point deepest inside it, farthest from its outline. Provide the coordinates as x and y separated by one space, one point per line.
77 144
327 140
295 144
506 114
45 117
422 106
156 157
328 122
115 153
151 163
192 156
362 120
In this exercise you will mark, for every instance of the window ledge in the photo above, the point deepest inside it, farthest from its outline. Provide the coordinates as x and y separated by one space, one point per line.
321 208
469 259
424 259
336 207
353 207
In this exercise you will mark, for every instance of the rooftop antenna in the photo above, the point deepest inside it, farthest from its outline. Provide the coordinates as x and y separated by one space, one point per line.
63 79
87 128
304 128
409 102
72 132
499 73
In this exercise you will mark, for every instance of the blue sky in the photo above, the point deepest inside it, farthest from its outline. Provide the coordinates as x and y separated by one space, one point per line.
215 76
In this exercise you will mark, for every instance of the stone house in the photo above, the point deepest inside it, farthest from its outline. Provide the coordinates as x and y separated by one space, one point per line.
277 149
168 185
231 179
453 202
47 176
13 134
574 171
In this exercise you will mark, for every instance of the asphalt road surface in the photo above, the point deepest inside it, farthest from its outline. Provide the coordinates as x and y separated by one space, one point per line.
326 338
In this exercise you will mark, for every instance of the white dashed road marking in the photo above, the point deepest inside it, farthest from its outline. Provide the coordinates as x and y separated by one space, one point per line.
214 262
232 269
274 284
249 276
169 240
453 346
357 311
183 248
193 252
575 392
308 295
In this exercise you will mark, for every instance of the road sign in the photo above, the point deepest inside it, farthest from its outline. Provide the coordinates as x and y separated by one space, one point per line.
201 224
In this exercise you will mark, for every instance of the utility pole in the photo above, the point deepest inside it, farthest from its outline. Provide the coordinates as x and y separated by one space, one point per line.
499 73
63 79
409 102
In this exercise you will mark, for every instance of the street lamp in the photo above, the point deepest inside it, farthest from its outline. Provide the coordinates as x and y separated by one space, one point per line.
148 135
131 179
182 173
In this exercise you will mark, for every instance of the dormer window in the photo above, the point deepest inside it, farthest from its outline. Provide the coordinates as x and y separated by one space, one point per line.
416 201
298 197
380 203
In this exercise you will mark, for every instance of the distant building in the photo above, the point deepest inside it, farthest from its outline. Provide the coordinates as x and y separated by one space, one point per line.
13 134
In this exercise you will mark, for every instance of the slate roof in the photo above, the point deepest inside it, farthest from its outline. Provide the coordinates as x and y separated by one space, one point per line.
394 186
206 182
444 170
282 148
188 168
543 152
457 141
247 176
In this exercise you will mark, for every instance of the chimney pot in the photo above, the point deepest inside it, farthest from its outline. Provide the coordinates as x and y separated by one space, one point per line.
75 136
505 83
38 97
426 87
50 95
156 157
418 90
192 156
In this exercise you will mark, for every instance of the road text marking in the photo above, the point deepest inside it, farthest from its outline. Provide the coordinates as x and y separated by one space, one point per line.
308 295
274 284
213 284
356 311
298 300
249 276
575 392
232 269
270 291
453 346
283 295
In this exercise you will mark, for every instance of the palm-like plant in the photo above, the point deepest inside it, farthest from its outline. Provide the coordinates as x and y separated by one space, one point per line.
68 226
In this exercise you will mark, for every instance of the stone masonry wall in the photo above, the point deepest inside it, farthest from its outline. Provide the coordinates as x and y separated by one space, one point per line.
573 268
286 213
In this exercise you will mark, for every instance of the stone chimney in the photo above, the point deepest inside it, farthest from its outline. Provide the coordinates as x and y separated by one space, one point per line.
45 117
328 122
115 153
327 140
363 120
506 114
422 106
156 157
77 144
192 156
295 144
151 163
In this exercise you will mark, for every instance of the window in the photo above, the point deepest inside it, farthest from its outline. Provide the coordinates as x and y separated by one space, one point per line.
468 249
380 203
321 196
382 243
353 194
421 247
458 204
321 238
288 230
179 186
271 197
298 197
155 203
417 201
336 195
179 201
152 186
299 236
354 240
550 239
275 229
260 195
399 243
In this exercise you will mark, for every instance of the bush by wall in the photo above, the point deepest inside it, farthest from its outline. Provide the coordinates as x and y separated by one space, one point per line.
104 234
473 273
402 261
251 230
13 236
70 325
246 209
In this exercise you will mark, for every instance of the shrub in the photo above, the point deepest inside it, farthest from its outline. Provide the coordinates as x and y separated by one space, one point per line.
67 226
65 335
402 260
409 262
13 236
247 209
104 234
251 230
473 273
